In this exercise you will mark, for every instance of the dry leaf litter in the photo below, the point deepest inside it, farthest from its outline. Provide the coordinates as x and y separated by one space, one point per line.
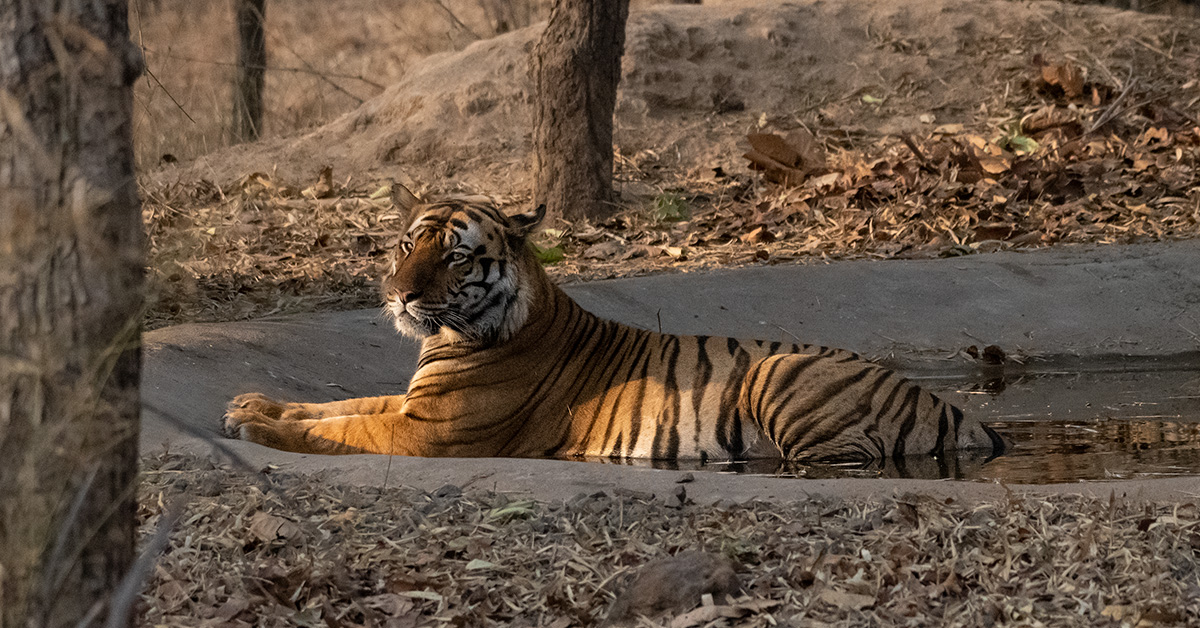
1089 157
271 549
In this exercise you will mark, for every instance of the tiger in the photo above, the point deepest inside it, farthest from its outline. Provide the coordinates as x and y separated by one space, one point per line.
511 366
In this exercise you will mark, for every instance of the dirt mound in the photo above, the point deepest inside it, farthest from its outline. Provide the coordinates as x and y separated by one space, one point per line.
696 79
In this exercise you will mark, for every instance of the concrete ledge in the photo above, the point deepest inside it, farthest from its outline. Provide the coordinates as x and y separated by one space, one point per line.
1099 307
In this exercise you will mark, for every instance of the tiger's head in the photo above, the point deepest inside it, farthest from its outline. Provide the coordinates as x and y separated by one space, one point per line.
459 269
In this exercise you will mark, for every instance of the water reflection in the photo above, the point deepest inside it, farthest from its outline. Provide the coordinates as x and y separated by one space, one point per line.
1064 427
960 467
1106 448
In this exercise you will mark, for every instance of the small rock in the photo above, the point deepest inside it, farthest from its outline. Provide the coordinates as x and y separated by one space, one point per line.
725 504
448 490
685 478
675 585
629 493
681 495
993 354
594 503
603 250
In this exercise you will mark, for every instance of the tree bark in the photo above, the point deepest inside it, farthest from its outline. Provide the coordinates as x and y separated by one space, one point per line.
576 67
71 273
251 68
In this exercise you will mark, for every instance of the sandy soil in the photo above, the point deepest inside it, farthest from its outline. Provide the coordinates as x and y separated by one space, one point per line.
697 79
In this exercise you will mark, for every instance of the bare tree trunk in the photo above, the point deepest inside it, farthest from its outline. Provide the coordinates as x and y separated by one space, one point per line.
576 67
71 266
251 67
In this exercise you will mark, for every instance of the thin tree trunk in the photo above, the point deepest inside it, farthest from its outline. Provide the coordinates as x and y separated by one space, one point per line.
251 67
576 68
71 266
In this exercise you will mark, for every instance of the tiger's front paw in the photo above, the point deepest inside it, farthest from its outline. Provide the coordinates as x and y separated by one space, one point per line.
259 403
238 422
248 424
252 413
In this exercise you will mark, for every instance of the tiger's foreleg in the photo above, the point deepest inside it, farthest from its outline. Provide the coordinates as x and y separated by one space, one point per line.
367 425
261 404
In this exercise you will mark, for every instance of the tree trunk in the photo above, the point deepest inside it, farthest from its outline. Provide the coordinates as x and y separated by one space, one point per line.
576 67
251 67
71 266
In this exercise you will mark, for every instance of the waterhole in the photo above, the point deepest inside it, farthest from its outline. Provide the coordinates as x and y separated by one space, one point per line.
1068 427
1114 422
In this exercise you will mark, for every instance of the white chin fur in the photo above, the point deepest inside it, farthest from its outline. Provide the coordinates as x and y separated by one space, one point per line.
404 322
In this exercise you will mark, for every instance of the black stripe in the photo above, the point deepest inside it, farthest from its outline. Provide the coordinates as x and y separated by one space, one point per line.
833 426
939 445
581 329
765 383
668 428
901 463
612 364
493 213
912 398
788 383
700 384
490 304
616 404
635 413
736 445
871 433
998 444
728 417
886 413
485 284
858 452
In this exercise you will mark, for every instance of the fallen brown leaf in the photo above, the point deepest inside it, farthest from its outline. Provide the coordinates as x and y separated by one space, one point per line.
267 527
842 599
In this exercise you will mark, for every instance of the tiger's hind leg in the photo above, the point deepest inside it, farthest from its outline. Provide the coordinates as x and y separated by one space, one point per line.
819 407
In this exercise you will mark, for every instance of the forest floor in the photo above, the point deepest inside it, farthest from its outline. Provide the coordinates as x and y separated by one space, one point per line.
274 549
994 125
924 128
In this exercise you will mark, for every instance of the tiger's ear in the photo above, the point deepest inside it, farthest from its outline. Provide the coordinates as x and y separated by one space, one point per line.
521 225
403 201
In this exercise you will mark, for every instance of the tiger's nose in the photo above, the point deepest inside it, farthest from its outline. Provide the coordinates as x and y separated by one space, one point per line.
408 296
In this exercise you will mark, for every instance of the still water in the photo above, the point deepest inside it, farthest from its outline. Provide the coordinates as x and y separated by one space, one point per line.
1084 426
1064 427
